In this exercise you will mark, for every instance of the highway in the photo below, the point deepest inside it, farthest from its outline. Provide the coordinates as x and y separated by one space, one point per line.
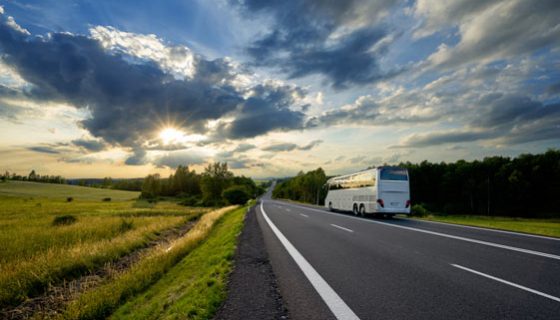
337 266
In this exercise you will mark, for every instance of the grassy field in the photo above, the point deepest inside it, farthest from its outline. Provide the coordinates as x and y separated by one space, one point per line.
62 191
45 239
545 227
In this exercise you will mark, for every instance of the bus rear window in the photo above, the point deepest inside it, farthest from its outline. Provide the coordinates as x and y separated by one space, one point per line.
393 174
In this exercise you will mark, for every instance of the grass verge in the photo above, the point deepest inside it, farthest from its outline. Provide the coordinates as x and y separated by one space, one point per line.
544 227
102 301
195 287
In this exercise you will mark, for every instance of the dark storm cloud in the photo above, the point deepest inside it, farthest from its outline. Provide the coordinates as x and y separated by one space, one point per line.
137 158
301 41
268 108
90 145
127 100
508 119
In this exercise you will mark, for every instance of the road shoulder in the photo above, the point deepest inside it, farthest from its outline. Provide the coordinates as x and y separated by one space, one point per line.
252 289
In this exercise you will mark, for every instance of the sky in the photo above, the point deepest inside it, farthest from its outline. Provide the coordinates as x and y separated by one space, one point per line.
129 88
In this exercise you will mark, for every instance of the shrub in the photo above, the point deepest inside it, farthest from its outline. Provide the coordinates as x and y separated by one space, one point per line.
125 225
106 199
64 220
69 199
236 195
418 210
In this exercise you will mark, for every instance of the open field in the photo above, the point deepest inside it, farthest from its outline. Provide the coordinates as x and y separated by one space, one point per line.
44 239
62 191
545 227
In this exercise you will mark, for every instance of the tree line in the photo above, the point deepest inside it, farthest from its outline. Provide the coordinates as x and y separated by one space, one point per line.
213 187
32 176
524 186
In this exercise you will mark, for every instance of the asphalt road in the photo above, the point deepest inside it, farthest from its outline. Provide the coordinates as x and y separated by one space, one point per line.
364 268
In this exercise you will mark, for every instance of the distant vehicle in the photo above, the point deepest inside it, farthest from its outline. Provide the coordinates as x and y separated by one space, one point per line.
380 191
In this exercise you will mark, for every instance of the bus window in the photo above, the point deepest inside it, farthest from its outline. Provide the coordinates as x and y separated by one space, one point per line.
393 174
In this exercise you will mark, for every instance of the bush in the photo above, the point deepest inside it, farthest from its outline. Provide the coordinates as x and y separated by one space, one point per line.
125 225
106 199
236 195
418 210
69 199
64 220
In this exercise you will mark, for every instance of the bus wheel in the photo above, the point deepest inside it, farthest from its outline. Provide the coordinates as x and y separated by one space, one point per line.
355 209
330 206
362 210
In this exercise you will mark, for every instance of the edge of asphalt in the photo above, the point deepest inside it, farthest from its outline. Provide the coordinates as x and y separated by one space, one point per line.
252 289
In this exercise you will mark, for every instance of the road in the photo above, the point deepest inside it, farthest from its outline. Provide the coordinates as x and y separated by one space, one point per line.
334 265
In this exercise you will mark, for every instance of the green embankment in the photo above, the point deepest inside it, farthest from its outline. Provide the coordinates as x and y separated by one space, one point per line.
545 227
196 286
102 301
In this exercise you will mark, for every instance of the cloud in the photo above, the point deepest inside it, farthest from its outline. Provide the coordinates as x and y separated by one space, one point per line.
504 119
137 158
130 93
176 158
244 147
340 40
267 108
490 30
44 149
90 145
283 147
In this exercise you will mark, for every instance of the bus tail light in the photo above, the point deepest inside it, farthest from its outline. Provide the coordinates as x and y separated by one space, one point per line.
381 203
407 203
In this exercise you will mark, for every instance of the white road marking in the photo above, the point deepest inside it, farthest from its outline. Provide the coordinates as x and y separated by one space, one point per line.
486 243
337 306
304 215
339 227
488 229
508 283
289 210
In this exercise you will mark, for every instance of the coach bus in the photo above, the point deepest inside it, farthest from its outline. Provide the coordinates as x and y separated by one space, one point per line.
379 191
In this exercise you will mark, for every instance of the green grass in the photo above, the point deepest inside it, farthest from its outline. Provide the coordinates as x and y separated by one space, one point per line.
36 249
102 301
545 227
62 191
196 286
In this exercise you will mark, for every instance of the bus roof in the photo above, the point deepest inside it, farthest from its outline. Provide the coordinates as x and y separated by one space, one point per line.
346 176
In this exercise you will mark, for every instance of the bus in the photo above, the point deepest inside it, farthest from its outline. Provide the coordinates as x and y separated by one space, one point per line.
379 191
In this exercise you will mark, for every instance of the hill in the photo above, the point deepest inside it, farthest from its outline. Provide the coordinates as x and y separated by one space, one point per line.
62 191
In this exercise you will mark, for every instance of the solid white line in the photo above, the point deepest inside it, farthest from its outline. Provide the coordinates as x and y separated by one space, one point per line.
486 229
337 306
486 243
345 229
304 215
508 283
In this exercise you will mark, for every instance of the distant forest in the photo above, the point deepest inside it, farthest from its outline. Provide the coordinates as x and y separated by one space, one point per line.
525 186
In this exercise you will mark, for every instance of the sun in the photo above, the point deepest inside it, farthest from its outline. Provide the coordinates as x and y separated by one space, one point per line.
170 135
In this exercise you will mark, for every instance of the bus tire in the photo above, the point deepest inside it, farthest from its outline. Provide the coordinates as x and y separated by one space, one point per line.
330 206
362 210
355 209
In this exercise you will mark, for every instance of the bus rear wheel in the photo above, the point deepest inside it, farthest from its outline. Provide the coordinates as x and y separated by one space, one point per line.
355 209
330 206
362 210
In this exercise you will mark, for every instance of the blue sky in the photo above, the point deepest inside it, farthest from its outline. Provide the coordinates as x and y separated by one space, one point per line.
127 88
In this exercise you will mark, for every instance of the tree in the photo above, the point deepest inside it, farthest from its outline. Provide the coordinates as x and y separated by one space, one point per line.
151 188
32 176
215 179
236 195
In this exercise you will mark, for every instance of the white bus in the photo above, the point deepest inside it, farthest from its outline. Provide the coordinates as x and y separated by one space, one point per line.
383 190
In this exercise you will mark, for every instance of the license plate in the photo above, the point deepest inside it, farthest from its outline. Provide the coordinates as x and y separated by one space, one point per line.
394 204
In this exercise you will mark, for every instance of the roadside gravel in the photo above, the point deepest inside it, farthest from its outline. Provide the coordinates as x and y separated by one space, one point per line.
252 289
